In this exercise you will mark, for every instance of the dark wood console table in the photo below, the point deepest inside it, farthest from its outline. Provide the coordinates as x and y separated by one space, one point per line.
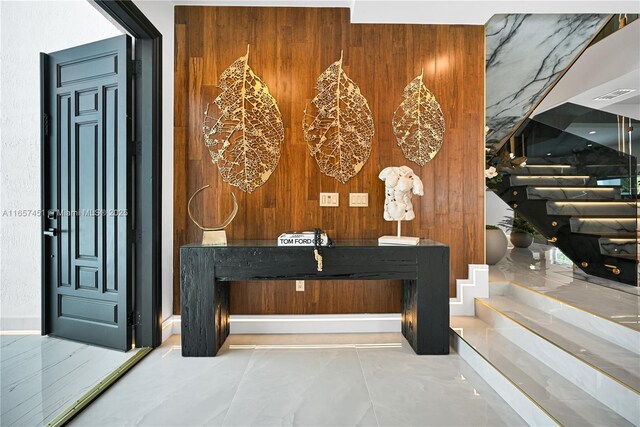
205 273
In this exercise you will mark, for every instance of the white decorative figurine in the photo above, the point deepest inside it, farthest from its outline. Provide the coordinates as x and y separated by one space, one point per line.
400 184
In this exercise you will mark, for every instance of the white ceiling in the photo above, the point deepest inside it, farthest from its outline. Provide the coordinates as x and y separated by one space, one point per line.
438 11
613 63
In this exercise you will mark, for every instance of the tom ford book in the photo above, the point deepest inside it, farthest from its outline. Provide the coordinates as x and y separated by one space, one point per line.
306 238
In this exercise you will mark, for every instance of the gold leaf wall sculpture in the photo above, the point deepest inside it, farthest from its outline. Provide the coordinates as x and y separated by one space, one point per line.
245 139
418 123
339 134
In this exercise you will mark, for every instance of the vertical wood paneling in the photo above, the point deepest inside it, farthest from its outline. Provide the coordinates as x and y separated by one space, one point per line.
290 47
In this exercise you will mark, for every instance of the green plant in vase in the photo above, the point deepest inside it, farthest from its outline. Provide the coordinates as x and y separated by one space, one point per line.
522 232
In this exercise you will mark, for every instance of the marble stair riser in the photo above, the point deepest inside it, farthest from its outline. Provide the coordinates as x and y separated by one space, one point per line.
601 387
567 193
619 246
545 170
548 180
550 160
601 327
524 406
604 225
622 209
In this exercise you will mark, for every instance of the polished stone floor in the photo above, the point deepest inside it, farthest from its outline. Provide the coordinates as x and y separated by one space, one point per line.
331 380
546 270
42 376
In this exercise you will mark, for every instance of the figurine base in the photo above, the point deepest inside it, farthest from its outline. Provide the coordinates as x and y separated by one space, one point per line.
398 240
214 238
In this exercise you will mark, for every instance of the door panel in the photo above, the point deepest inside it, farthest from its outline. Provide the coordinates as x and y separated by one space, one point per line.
87 180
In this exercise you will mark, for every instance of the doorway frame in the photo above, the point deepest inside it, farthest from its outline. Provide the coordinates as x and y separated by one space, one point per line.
147 147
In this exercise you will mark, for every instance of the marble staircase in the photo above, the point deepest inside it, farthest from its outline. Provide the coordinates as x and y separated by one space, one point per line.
553 362
595 225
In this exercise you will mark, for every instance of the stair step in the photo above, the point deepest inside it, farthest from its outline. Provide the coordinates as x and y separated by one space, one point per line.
573 193
604 327
605 226
617 247
579 180
545 170
615 361
550 160
620 208
635 257
569 404
604 390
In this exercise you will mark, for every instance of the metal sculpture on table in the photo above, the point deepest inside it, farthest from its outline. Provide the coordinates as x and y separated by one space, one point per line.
213 235
245 139
418 123
339 134
400 184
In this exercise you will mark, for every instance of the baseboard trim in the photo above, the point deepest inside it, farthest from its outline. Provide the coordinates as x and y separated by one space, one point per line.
301 324
20 325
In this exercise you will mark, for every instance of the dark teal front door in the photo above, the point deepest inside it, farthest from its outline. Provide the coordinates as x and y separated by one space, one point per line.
87 193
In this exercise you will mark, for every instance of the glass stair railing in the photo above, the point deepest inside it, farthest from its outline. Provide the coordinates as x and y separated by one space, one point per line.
579 187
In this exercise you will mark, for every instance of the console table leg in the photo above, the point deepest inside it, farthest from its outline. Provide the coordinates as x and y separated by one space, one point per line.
204 305
425 304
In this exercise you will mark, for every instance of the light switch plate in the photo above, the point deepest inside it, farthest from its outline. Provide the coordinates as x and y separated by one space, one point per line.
300 285
358 200
329 199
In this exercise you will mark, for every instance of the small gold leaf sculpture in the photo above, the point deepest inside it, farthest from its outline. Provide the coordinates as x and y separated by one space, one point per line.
418 123
245 139
339 135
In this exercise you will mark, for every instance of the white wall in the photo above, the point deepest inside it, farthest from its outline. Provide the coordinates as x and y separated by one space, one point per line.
498 211
26 29
160 13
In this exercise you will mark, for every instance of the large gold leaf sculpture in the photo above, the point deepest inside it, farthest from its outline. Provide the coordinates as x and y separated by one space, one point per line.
418 123
339 134
246 137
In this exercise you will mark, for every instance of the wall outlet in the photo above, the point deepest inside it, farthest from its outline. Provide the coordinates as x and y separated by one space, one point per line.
358 200
329 199
300 285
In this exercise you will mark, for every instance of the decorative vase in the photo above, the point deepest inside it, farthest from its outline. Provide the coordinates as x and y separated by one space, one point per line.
521 239
496 246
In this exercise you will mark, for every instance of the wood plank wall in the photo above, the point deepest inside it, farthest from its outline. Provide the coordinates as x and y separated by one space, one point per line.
290 47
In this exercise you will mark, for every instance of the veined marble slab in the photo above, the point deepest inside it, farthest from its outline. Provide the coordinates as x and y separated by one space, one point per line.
525 54
590 208
604 225
548 180
568 193
619 246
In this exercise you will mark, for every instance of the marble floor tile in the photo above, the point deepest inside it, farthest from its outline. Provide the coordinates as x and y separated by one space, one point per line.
165 389
41 376
409 390
324 379
302 387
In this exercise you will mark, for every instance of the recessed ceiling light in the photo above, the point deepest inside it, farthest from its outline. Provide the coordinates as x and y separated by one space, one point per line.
592 132
614 94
